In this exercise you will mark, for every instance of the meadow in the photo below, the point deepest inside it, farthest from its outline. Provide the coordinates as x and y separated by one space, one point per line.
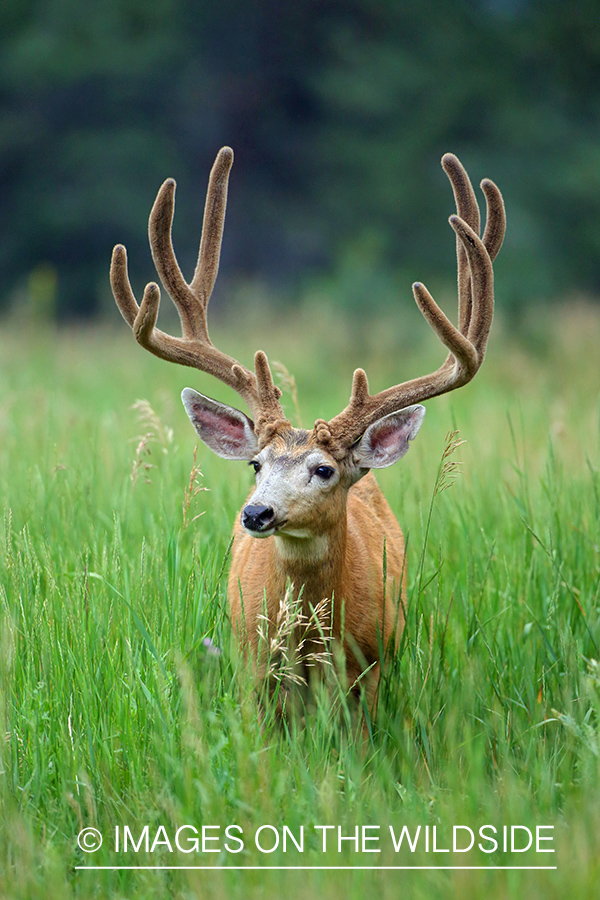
123 699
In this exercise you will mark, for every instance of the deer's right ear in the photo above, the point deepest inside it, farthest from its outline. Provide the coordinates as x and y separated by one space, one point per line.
227 431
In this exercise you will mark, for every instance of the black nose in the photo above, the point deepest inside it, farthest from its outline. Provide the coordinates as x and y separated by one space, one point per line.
258 518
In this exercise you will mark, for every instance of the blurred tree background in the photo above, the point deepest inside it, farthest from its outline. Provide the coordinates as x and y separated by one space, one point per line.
338 112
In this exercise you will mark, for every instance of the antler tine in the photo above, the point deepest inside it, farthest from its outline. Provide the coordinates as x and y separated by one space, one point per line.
191 299
468 209
482 287
495 225
209 253
467 343
194 348
464 195
121 287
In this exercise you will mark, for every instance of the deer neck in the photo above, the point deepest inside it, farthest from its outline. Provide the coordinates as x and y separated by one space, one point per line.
314 563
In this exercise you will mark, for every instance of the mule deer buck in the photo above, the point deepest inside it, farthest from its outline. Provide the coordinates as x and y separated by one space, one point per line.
316 520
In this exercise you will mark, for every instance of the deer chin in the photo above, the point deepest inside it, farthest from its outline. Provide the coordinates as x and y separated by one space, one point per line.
299 533
268 532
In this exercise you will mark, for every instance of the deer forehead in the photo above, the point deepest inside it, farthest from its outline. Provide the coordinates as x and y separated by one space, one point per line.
294 447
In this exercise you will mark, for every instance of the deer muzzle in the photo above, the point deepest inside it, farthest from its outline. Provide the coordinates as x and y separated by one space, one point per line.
258 519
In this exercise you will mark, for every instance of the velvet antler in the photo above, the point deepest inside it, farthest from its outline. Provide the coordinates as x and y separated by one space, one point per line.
194 348
467 343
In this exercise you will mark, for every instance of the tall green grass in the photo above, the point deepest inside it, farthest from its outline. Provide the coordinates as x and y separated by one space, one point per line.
116 708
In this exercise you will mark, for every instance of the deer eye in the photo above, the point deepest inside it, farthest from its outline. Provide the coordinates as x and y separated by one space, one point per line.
324 472
255 463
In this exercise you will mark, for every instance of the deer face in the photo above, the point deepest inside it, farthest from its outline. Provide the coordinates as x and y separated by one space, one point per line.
298 487
301 488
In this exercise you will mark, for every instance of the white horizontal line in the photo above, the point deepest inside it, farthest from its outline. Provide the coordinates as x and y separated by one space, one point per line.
313 868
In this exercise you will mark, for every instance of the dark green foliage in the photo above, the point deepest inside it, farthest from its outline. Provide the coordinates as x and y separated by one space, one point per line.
338 113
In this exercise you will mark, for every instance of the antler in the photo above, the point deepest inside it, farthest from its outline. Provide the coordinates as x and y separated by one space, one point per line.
466 343
194 348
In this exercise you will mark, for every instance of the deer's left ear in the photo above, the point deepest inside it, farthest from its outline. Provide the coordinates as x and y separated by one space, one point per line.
386 440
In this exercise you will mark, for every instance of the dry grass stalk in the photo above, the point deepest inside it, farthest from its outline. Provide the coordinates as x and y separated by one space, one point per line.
156 432
191 492
293 639
287 383
449 469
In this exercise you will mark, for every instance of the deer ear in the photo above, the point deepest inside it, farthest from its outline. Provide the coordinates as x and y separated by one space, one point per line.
227 431
386 440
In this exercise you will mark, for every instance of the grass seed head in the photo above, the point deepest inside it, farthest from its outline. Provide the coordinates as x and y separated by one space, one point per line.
291 640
